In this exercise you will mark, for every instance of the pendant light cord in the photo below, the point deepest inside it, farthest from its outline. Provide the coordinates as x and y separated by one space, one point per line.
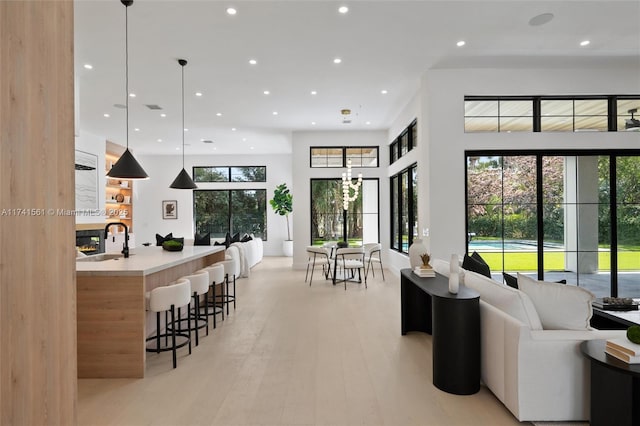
126 66
182 116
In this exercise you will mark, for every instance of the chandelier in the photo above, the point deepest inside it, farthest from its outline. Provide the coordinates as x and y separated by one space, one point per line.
350 189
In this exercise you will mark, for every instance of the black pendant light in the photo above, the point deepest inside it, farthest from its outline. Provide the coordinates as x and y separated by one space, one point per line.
183 181
127 167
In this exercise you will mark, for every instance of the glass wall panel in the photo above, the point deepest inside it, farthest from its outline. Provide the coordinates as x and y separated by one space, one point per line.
327 212
628 119
481 124
404 212
211 174
628 224
249 174
233 211
395 214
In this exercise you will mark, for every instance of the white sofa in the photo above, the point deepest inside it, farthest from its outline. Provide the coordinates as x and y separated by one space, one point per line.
251 253
538 374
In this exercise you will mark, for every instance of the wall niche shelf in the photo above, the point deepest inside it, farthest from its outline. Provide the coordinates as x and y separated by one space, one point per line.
119 192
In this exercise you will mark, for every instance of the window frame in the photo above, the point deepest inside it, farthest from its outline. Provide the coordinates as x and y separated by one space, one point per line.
229 175
344 150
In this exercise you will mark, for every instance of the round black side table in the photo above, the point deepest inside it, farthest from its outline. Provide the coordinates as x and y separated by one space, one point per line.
615 387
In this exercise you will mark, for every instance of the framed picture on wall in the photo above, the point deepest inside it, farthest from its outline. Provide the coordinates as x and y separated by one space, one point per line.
169 209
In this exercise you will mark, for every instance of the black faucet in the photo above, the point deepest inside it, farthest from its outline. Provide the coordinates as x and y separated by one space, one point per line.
125 245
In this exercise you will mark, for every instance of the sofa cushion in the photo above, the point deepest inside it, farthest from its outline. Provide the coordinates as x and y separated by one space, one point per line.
510 280
160 239
202 239
560 307
477 264
509 300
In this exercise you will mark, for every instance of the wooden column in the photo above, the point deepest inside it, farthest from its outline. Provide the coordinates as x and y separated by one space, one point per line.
38 384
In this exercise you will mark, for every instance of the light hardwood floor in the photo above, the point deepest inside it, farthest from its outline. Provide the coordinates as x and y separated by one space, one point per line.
294 355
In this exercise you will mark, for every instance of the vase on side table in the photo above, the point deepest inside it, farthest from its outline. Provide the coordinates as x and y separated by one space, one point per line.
454 276
415 250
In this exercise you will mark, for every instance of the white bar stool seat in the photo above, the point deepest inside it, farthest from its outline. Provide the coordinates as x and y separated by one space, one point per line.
216 277
199 281
167 299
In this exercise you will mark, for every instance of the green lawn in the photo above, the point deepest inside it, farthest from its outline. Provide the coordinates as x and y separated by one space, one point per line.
554 261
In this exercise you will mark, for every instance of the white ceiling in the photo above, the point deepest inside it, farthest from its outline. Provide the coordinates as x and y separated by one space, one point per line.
384 45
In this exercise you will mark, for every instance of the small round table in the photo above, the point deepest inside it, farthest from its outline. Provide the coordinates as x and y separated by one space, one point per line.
615 387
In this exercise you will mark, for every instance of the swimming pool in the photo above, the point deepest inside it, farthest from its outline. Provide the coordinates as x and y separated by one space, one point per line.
510 245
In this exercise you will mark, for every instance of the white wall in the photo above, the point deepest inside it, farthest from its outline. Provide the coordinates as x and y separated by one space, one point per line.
442 94
149 194
395 260
303 173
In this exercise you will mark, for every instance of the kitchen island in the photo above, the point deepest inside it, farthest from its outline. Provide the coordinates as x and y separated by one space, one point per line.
112 321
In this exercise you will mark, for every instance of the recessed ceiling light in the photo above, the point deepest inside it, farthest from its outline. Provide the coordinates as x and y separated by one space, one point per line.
313 123
106 115
461 43
88 66
219 114
367 123
266 92
384 92
231 11
177 148
541 19
163 115
132 95
233 129
313 92
250 147
343 9
159 140
252 61
244 139
186 130
136 129
337 60
198 93
585 43
275 113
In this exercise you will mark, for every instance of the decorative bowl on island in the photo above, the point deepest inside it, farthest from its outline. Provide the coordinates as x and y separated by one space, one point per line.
172 245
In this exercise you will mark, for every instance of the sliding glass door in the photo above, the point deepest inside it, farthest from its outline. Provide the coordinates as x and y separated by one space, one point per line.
558 217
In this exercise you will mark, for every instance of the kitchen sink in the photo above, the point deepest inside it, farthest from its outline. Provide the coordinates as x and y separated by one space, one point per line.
100 257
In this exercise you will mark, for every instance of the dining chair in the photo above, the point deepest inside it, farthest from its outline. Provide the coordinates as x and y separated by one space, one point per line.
372 254
318 256
350 259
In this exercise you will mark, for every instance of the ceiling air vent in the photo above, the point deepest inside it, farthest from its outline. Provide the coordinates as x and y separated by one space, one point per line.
153 106
121 106
207 141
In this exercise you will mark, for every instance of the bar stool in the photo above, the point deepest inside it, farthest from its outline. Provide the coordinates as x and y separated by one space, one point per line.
166 299
199 281
216 277
231 268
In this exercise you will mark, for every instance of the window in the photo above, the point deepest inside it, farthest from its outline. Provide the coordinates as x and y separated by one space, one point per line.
628 108
548 113
404 209
363 156
327 213
233 211
404 143
558 215
230 174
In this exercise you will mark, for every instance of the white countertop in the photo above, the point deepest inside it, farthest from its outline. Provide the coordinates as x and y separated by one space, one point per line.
144 261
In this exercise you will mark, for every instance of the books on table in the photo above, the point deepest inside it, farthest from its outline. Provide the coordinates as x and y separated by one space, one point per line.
624 350
424 272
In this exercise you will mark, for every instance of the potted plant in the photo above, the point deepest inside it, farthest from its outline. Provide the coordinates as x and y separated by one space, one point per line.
282 203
